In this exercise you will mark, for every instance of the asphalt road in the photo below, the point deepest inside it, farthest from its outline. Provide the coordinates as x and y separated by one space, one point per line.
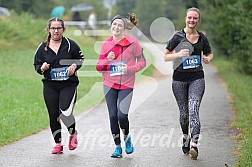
154 127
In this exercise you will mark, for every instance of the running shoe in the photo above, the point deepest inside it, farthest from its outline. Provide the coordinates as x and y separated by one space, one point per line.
194 152
186 145
117 153
73 141
128 145
57 149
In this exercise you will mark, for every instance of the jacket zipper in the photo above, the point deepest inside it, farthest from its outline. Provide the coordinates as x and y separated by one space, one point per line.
121 74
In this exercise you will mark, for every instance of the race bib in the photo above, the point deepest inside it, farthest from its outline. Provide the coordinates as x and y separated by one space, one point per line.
193 61
116 68
59 74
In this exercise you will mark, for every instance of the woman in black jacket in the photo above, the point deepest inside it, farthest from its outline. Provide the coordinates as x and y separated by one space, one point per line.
58 59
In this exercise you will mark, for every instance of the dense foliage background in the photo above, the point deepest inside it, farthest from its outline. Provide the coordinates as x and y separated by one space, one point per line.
227 22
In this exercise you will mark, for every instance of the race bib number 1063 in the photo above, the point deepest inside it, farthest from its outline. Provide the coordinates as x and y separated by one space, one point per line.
193 61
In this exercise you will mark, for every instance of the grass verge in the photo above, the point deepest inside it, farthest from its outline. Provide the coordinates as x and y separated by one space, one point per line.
239 85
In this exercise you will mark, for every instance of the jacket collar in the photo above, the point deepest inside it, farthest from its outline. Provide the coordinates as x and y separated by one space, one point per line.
126 41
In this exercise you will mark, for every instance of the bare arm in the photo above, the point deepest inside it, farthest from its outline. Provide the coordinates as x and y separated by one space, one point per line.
169 56
207 58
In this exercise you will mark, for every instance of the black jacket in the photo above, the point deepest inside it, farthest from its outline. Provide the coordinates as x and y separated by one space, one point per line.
69 53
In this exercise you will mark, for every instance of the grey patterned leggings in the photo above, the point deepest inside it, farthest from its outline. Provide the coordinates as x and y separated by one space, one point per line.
188 96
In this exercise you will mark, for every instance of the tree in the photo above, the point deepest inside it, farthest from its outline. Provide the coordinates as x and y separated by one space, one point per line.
124 7
147 11
228 23
191 3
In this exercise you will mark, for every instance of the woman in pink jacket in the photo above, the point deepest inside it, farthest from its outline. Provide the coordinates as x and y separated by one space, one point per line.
121 56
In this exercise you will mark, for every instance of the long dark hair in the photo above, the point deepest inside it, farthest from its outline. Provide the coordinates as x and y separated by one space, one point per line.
48 32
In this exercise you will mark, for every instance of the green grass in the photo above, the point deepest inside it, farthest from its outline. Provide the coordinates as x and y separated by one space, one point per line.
239 85
21 103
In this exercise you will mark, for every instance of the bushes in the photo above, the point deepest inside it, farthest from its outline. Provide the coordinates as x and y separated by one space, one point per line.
229 25
242 22
20 31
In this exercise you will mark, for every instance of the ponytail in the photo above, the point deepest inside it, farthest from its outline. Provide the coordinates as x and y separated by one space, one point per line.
129 22
47 41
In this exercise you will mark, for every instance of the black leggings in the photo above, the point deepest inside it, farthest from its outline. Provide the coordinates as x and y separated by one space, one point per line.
60 98
188 96
118 103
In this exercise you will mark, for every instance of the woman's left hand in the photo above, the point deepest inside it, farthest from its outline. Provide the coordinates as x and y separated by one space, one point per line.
206 59
71 69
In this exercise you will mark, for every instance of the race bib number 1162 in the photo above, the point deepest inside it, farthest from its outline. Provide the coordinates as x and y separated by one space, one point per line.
59 74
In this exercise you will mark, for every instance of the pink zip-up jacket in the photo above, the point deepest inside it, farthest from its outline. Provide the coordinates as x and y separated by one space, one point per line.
127 50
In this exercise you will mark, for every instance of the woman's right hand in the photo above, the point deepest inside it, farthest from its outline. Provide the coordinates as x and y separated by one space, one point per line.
111 56
45 66
183 53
